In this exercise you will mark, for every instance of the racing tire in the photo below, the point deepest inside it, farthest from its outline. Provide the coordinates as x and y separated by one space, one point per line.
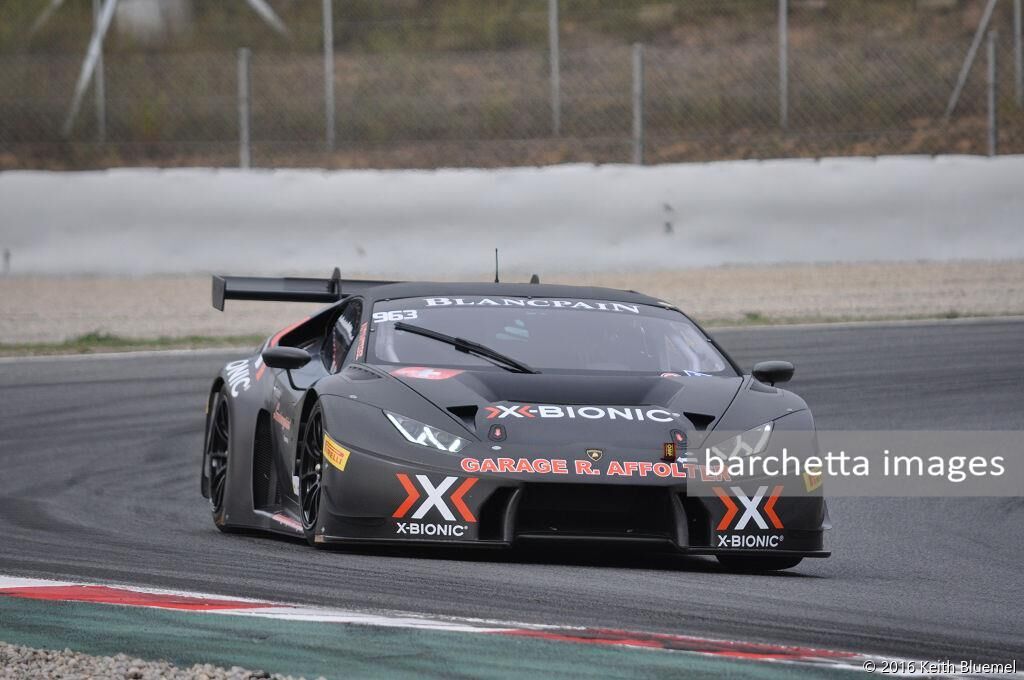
756 564
216 458
311 473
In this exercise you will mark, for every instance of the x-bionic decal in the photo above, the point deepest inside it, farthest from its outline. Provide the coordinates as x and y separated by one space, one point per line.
658 415
750 508
435 498
740 536
238 376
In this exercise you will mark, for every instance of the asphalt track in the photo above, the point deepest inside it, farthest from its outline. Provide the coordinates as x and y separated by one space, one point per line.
100 461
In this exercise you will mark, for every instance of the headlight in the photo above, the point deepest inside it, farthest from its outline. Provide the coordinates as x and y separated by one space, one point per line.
749 443
426 435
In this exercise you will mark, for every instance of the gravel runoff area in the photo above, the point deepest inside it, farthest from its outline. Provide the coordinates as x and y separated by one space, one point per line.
45 309
17 663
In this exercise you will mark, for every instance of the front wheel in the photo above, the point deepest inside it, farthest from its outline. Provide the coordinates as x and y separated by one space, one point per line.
311 472
218 447
755 564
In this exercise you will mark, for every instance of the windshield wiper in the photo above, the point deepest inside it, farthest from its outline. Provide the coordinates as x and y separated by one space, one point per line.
469 347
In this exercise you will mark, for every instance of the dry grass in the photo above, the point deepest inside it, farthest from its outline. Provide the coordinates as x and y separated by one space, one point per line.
55 310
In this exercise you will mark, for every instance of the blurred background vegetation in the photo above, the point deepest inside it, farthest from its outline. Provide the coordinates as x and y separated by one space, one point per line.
418 25
427 83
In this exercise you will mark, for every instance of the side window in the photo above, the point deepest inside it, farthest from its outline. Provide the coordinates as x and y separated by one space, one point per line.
343 334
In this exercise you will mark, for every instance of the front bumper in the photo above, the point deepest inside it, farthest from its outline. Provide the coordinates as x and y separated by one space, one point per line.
379 500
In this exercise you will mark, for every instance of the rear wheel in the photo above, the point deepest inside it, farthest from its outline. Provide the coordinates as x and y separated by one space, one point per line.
311 472
754 564
218 446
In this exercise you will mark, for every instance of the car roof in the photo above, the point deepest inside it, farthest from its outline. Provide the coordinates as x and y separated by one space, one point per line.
529 290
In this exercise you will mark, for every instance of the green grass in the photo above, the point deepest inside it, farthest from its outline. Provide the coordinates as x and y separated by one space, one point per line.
95 342
754 318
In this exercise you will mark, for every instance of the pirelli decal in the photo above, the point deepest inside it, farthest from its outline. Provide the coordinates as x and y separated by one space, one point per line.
335 454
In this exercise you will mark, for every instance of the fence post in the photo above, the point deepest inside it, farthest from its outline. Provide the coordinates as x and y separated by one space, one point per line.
329 73
89 64
1018 50
244 117
783 64
993 96
99 81
972 53
556 73
638 104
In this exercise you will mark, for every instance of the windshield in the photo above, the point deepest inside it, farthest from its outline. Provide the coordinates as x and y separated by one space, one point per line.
548 334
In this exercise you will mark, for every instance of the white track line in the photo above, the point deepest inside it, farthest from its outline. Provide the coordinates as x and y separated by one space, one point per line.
191 602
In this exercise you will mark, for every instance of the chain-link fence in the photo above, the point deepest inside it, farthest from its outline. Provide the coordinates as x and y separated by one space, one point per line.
584 81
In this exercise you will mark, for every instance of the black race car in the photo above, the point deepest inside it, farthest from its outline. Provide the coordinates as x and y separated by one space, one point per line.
503 414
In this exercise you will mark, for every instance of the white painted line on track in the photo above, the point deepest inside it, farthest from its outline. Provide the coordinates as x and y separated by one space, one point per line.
265 609
193 602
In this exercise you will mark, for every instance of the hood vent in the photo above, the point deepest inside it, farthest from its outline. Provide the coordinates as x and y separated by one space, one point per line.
467 414
360 372
700 420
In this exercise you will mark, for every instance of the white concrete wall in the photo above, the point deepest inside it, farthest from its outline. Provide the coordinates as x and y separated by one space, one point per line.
573 218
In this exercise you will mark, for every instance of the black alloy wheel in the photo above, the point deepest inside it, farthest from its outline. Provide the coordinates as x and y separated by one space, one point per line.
311 472
218 444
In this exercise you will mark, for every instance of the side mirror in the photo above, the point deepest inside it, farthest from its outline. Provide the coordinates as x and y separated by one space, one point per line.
288 358
772 372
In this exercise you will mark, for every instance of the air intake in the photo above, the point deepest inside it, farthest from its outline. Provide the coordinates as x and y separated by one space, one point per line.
263 478
594 510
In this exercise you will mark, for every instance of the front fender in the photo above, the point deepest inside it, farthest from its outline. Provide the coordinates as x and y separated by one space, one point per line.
756 404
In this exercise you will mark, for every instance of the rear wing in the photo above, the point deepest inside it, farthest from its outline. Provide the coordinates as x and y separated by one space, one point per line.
287 289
